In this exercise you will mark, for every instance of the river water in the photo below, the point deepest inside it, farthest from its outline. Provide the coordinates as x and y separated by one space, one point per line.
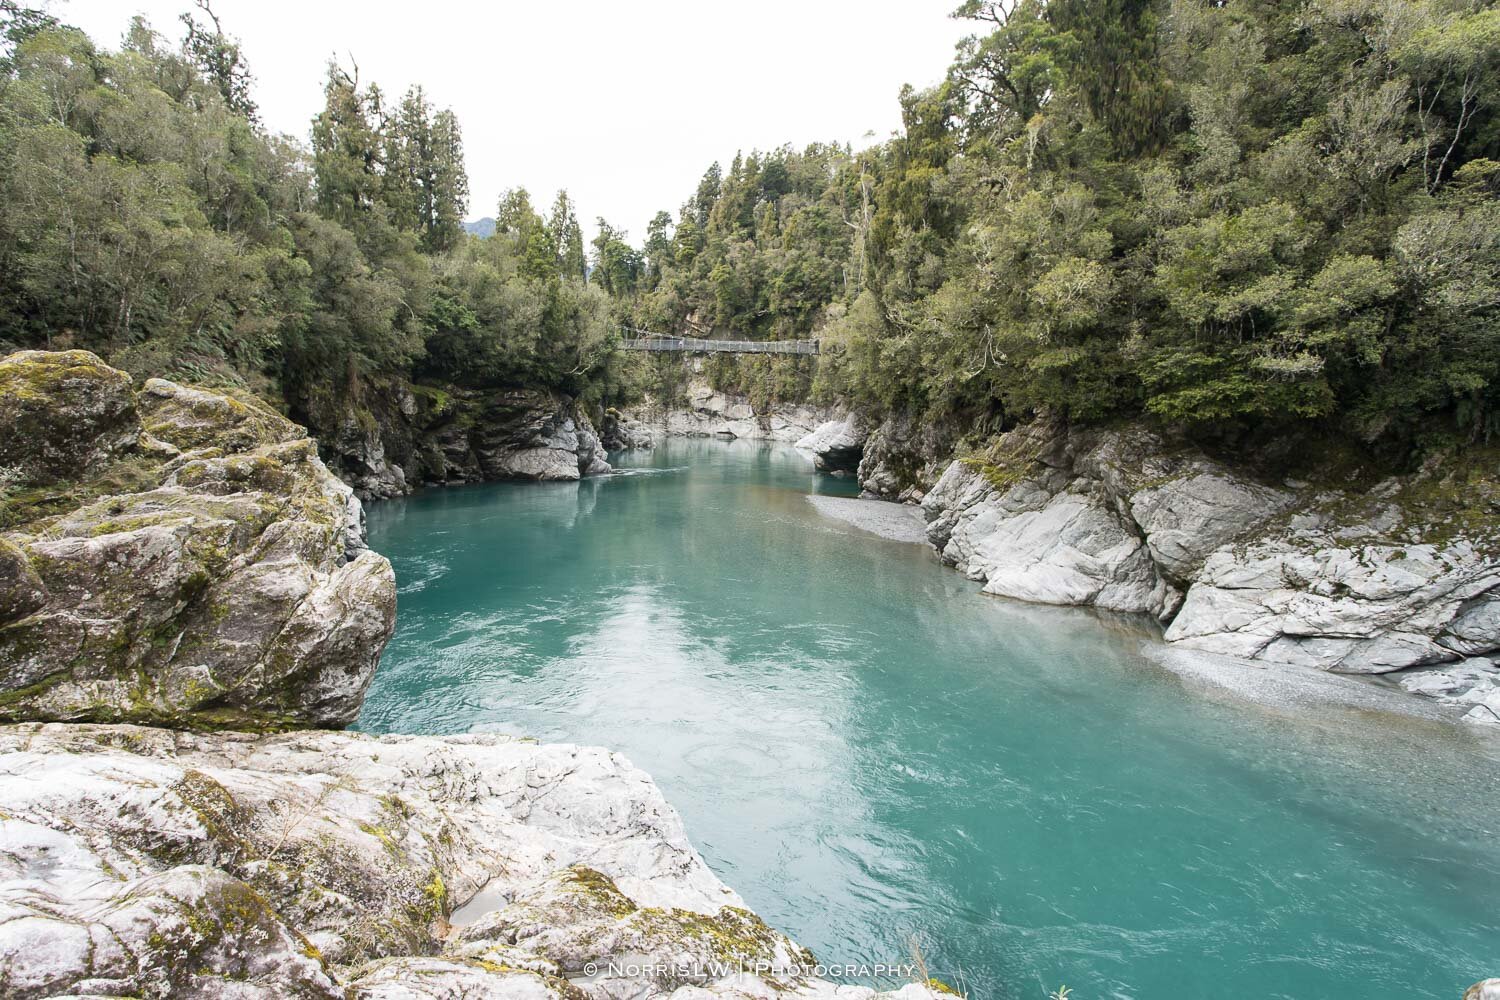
873 753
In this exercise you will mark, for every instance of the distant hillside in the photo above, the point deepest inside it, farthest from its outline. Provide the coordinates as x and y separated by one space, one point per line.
483 228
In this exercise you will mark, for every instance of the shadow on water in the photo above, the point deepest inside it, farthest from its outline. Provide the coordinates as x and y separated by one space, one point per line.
870 750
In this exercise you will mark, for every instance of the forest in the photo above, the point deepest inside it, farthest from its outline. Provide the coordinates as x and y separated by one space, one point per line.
1229 218
147 215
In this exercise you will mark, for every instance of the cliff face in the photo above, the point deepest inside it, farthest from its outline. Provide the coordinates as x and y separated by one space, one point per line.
176 557
1348 574
710 413
183 558
898 458
1346 577
406 436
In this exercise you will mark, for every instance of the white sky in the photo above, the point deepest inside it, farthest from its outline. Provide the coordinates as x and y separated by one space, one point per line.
623 104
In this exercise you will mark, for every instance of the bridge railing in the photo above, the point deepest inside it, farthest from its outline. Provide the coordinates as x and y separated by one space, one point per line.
692 345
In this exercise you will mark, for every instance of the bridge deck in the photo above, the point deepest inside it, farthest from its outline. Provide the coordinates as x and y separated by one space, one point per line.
692 345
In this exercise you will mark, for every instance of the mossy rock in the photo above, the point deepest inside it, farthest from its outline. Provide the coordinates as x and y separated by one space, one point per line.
21 590
196 576
63 414
193 419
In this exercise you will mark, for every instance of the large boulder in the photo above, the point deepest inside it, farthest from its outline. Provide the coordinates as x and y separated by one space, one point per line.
837 445
193 420
143 862
1352 579
1039 518
63 413
232 588
1049 539
1191 514
523 435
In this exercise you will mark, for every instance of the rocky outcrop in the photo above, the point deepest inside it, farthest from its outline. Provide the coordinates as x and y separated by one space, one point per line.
406 436
525 435
62 414
142 862
905 456
898 458
1472 685
706 412
205 569
1310 597
1340 578
182 557
837 445
621 432
1051 539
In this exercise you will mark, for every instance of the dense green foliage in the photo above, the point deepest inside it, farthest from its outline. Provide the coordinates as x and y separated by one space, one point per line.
147 215
1224 216
1228 216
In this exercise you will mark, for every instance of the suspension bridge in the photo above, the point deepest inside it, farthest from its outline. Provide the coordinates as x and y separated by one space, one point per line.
644 340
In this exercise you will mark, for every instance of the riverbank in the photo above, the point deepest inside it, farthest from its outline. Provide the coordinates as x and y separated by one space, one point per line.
1457 692
1325 562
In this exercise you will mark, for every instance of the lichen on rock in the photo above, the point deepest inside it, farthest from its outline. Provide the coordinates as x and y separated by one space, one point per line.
138 861
228 589
62 414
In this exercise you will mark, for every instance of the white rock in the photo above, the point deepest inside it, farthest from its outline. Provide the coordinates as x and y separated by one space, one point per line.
1116 520
837 445
1486 707
1187 518
1071 551
710 413
137 861
1363 609
1034 542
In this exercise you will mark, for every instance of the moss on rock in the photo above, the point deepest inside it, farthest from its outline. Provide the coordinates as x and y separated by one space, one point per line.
62 414
198 576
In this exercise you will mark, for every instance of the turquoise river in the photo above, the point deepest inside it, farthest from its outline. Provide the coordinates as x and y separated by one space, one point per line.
873 753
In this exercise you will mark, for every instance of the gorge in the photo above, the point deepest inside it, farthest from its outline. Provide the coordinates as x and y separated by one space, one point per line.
186 561
947 766
1107 606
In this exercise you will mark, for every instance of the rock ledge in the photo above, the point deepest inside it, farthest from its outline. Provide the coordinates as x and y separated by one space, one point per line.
1352 579
144 862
